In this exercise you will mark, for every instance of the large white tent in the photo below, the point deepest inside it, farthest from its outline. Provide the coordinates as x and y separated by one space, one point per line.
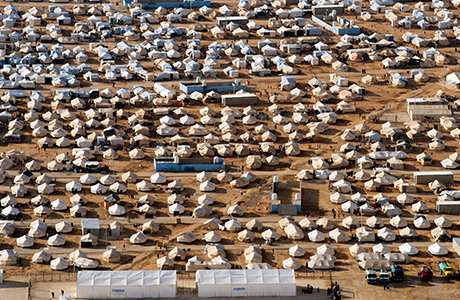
126 284
246 283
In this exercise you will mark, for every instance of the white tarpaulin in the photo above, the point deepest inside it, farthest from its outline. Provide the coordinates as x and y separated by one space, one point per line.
387 155
246 283
451 193
126 284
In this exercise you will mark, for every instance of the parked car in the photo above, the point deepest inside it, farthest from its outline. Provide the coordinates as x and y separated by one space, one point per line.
425 274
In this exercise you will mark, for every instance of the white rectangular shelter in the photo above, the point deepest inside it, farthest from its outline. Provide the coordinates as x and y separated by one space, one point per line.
246 283
126 284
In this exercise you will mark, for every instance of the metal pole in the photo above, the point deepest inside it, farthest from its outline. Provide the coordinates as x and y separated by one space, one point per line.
237 162
364 275
28 287
444 81
106 233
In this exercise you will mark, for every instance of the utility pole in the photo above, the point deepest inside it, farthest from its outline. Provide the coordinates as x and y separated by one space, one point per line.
106 233
237 162
444 80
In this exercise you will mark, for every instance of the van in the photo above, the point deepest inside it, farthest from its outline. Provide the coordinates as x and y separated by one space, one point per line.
384 276
371 276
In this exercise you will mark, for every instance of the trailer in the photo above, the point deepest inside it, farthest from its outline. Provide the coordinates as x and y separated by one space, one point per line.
242 99
223 21
425 177
176 164
205 86
152 4
456 245
448 207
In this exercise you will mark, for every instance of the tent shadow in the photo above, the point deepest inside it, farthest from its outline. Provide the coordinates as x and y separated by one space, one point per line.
14 284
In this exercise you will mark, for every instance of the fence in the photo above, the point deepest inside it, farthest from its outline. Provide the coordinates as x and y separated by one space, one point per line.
185 281
56 276
309 273
67 276
186 287
336 30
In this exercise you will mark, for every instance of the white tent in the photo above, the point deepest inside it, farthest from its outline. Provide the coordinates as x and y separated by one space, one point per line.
25 241
116 210
138 238
355 250
291 263
158 178
293 232
337 198
58 205
56 240
381 248
85 263
349 221
296 251
246 283
437 249
422 223
307 223
386 234
443 222
316 236
59 264
408 249
126 284
41 257
63 227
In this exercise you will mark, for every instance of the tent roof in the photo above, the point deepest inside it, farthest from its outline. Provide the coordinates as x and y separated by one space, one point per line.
267 276
122 278
90 223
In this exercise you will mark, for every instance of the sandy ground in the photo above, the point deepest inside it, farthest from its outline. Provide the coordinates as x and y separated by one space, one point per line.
352 289
255 199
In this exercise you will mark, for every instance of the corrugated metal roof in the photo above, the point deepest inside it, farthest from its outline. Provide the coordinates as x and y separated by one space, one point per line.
442 203
90 223
431 173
